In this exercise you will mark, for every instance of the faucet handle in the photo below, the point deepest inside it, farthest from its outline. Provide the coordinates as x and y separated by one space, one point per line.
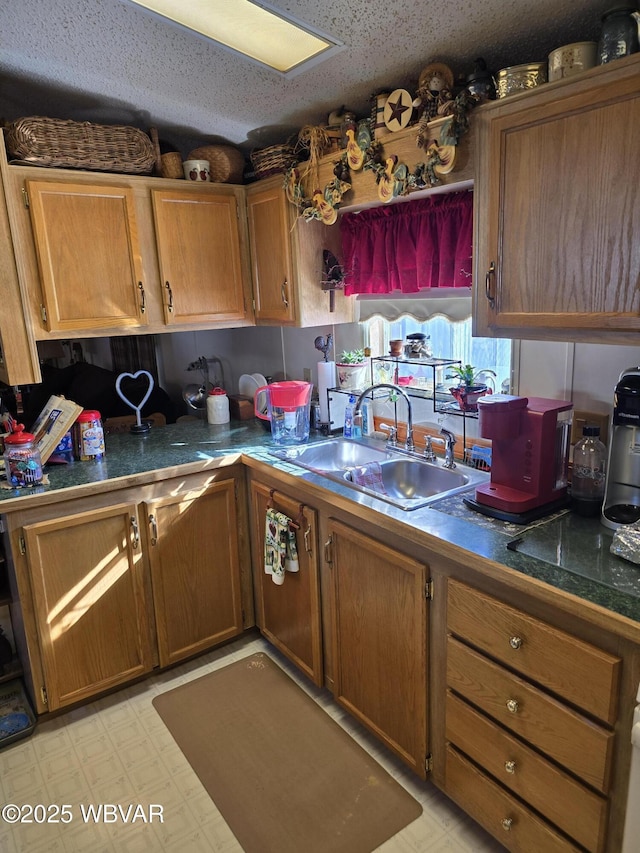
392 441
429 452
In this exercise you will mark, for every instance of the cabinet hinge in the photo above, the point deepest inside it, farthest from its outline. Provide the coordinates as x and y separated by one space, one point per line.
25 197
428 763
43 695
428 590
43 313
23 546
3 529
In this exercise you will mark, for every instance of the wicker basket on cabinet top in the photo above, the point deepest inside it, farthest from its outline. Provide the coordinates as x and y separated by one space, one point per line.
226 163
80 145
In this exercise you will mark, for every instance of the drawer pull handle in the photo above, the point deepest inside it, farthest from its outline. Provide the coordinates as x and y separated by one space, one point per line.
510 766
512 706
515 642
507 823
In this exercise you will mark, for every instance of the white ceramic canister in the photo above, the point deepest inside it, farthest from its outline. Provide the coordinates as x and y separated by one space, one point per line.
218 407
571 59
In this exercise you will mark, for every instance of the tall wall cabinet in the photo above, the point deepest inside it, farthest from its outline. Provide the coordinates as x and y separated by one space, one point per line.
557 211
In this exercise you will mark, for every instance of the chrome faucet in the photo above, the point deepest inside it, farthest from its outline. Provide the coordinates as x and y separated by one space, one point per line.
409 445
449 442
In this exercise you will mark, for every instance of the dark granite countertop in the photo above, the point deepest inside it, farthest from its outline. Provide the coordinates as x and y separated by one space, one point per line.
563 550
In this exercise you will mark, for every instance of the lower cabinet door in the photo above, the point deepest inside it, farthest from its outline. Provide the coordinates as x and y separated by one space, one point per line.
88 580
502 815
289 614
195 570
380 640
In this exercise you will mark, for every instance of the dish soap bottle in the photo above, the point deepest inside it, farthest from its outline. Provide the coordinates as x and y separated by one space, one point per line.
588 475
348 417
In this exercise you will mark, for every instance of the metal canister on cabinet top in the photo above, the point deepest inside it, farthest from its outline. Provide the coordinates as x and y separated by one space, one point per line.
89 436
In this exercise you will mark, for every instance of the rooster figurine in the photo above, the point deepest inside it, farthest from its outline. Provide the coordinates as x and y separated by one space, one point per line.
323 344
392 180
326 211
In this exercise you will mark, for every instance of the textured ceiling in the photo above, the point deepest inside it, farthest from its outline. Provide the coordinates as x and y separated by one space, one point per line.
110 62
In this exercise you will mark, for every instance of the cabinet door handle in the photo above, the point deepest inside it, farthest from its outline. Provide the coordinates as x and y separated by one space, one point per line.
510 766
507 823
154 529
328 557
488 279
170 292
136 532
512 706
515 642
283 293
143 301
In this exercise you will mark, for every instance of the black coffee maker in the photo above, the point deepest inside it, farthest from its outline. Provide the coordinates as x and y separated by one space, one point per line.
621 503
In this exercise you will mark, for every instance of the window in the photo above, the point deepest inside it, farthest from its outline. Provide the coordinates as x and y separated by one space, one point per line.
447 339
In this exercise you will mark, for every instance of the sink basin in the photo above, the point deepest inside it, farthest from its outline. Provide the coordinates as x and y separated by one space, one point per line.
336 454
407 482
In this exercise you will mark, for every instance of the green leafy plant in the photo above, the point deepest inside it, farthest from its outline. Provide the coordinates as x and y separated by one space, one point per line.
352 356
468 375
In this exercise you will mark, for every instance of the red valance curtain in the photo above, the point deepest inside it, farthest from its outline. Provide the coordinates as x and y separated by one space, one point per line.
409 247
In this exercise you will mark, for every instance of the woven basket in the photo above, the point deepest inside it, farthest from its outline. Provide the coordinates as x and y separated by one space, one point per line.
273 160
80 145
226 163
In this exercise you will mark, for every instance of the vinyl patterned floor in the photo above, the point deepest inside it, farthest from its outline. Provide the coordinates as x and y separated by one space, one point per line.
116 752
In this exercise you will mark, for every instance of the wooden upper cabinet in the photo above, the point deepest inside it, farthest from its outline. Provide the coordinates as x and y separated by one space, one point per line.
557 210
199 254
287 262
271 257
88 255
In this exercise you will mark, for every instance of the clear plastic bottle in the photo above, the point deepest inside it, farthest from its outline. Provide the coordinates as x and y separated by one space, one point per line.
589 472
348 417
218 407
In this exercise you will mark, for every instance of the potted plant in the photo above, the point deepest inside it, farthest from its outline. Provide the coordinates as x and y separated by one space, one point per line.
471 385
352 370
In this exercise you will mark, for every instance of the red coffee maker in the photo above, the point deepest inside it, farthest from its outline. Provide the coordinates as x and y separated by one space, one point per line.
530 439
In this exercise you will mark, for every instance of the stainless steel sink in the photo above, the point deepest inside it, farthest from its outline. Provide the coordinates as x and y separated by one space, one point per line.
407 482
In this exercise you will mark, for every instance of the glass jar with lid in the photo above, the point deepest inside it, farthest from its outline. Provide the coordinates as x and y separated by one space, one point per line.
22 461
619 34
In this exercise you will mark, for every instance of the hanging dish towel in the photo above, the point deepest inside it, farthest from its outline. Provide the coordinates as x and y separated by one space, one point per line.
280 550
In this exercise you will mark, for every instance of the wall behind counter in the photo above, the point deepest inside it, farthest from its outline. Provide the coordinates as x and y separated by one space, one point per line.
584 373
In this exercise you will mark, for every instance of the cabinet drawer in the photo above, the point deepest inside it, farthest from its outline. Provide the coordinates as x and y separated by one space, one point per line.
570 739
575 809
576 671
499 813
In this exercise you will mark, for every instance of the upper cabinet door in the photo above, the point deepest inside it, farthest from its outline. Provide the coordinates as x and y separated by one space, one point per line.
199 253
271 264
88 254
558 210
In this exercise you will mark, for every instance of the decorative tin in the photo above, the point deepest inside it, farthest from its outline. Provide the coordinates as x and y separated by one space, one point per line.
519 78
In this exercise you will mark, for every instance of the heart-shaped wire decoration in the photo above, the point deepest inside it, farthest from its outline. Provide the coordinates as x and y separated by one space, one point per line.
139 427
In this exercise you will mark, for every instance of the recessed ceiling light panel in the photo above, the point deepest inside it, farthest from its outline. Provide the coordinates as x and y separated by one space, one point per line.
255 30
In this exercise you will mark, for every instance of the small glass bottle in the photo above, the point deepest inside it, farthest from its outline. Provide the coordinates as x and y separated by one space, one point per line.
588 473
22 462
619 34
